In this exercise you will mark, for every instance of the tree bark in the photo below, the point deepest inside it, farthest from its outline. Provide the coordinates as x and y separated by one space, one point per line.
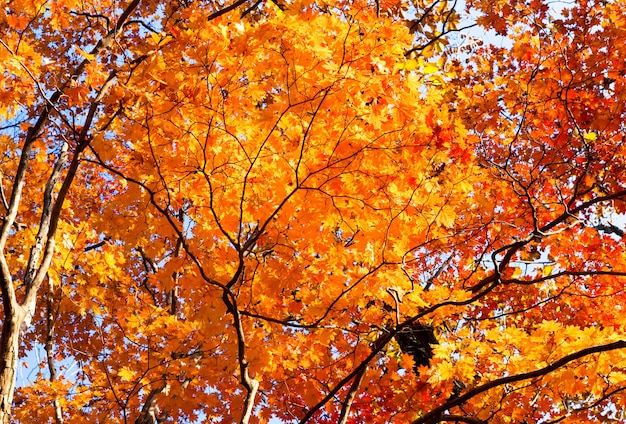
49 347
9 345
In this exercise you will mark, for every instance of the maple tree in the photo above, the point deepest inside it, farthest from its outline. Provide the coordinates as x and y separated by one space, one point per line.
313 211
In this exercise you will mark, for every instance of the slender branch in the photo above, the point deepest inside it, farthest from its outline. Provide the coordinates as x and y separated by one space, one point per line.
544 231
435 38
3 198
51 316
171 221
35 271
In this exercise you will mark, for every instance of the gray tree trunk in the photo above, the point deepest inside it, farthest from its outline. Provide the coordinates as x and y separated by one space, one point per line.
9 348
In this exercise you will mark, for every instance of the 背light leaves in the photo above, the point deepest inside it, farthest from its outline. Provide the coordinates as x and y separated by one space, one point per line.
88 56
430 68
126 374
446 216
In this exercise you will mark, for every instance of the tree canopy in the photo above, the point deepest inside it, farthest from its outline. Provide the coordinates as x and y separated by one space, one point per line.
314 211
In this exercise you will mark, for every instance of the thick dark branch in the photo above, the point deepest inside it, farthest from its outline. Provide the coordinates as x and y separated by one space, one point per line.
97 245
436 415
380 343
150 413
610 229
462 419
251 8
51 317
562 274
227 9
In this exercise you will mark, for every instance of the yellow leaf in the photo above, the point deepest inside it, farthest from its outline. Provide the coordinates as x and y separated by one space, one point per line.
155 37
409 65
436 80
617 377
547 270
109 259
90 57
549 326
590 136
446 371
465 186
446 217
126 374
160 40
430 68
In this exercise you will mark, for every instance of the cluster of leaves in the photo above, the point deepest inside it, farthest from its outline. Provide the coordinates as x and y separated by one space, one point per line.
233 211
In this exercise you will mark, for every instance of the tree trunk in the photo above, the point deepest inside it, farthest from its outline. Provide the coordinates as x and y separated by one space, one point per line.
9 348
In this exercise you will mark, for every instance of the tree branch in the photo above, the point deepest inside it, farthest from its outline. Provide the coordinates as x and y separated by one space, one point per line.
227 9
250 384
436 415
347 403
462 419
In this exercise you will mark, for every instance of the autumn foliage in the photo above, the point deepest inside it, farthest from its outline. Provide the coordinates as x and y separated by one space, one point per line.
312 211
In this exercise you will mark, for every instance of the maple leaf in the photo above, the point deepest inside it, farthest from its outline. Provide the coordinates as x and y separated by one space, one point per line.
446 216
126 374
